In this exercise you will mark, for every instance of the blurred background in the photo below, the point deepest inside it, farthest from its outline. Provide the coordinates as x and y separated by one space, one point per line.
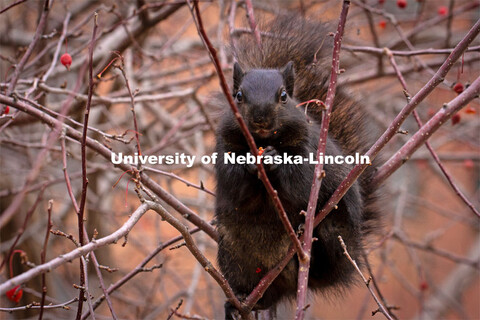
426 262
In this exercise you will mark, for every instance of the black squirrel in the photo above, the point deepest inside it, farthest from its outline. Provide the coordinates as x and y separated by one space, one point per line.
292 65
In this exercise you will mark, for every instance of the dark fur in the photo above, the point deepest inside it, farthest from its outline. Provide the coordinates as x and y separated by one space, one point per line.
252 236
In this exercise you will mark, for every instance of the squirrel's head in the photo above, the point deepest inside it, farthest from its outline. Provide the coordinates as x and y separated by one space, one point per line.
264 98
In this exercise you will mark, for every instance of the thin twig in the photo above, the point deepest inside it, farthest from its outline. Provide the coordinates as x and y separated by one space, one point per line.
427 144
105 152
207 265
138 269
382 309
11 6
426 131
253 24
77 252
251 143
132 104
86 287
63 305
43 255
83 198
303 270
59 46
19 68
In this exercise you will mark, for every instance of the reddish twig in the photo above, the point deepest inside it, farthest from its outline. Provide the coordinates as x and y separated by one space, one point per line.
75 205
318 174
19 67
43 255
382 309
138 269
206 264
395 125
426 131
83 198
12 5
77 252
427 144
372 153
253 24
132 103
251 143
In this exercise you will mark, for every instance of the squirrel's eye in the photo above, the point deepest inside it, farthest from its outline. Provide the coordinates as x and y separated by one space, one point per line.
283 96
239 96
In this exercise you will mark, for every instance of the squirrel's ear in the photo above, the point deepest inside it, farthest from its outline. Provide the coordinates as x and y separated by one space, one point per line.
289 78
237 76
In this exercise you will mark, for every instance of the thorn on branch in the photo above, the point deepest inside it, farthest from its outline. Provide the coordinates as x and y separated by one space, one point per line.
366 281
178 246
68 236
125 241
157 266
175 310
76 286
108 269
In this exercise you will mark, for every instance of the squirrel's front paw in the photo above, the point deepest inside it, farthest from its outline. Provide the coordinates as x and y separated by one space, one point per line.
268 151
271 152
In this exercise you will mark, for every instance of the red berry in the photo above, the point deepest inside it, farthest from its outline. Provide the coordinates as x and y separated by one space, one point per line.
423 285
458 87
258 270
468 163
15 294
468 110
260 151
455 119
402 3
381 1
382 24
7 110
442 11
66 60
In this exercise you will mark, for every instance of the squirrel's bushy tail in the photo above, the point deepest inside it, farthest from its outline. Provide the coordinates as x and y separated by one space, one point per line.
309 45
